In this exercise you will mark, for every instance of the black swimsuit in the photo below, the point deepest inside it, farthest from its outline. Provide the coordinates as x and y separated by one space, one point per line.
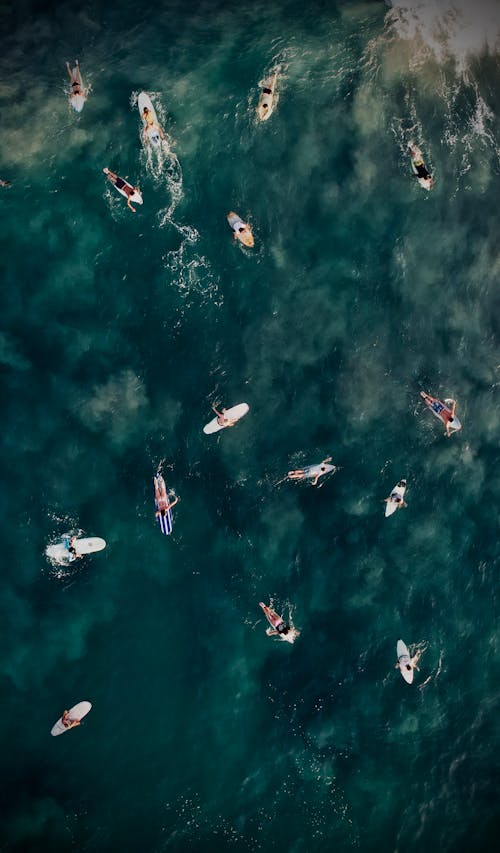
422 172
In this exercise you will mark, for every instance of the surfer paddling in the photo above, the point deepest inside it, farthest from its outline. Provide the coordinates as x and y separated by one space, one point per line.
420 171
312 472
446 414
67 722
408 664
75 79
124 188
150 123
278 628
163 503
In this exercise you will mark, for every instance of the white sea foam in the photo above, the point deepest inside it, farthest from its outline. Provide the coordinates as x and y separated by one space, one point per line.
457 29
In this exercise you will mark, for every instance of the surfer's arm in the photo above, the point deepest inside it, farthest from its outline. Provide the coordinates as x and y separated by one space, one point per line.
219 414
271 632
130 206
174 502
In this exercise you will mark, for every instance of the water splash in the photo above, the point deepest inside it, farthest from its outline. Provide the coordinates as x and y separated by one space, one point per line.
456 29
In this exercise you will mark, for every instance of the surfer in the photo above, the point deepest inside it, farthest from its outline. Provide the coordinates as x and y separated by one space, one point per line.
278 628
163 504
448 416
420 169
149 123
222 420
5 183
67 722
408 663
302 473
122 185
241 230
451 417
76 81
395 497
70 545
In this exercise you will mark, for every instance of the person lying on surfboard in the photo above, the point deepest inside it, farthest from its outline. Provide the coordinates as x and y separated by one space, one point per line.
222 420
420 168
444 414
409 665
70 545
149 123
278 628
75 79
5 183
241 230
162 499
121 185
397 499
301 473
67 722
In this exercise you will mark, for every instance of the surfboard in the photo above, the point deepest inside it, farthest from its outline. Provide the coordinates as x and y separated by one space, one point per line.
77 712
153 133
246 236
404 661
60 553
440 410
393 504
267 100
416 157
136 195
312 470
234 414
165 522
77 102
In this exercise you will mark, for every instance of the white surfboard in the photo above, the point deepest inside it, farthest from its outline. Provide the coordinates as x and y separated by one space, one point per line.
234 414
77 712
59 552
77 102
395 500
153 133
311 471
404 661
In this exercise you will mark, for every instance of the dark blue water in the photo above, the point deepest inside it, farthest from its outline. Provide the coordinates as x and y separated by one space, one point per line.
118 333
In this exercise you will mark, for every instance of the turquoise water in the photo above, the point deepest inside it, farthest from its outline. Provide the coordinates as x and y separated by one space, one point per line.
118 333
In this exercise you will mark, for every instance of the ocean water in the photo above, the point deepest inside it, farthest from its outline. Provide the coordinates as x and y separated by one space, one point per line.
119 331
